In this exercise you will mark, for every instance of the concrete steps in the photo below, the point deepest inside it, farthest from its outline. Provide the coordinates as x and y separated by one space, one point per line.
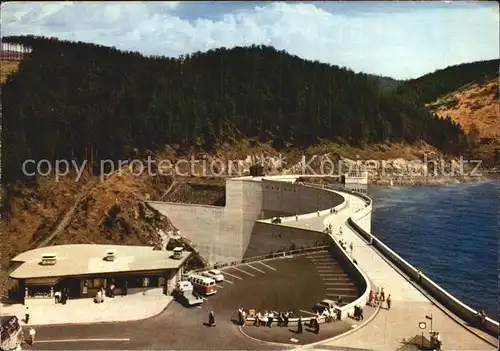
336 281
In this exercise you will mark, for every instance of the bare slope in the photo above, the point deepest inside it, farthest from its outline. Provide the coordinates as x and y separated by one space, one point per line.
474 106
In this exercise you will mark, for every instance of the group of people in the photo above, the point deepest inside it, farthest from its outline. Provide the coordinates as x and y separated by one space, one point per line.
378 298
358 313
329 313
436 340
61 296
276 220
266 319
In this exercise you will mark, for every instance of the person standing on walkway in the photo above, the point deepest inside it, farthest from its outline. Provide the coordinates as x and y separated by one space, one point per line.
382 295
316 327
32 334
27 315
271 318
351 247
125 288
286 318
389 302
299 325
243 318
211 319
370 298
240 315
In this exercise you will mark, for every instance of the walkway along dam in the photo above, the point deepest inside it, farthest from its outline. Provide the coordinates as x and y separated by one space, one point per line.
243 228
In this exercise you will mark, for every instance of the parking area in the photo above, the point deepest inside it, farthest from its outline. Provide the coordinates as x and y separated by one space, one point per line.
292 283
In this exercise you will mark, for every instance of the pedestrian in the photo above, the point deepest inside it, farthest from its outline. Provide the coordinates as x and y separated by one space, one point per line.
361 317
125 288
285 319
27 315
299 325
271 318
382 295
32 334
211 319
243 318
376 299
339 301
351 247
257 319
438 340
316 329
296 217
112 290
240 315
370 298
389 302
57 296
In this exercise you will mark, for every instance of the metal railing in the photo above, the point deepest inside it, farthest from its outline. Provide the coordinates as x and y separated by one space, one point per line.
269 256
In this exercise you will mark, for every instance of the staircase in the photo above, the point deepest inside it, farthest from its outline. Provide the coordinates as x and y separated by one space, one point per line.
337 282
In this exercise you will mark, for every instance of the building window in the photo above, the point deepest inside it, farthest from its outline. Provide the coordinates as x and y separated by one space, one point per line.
97 283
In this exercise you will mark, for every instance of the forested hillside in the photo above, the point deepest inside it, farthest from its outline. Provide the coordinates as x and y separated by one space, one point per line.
88 102
432 86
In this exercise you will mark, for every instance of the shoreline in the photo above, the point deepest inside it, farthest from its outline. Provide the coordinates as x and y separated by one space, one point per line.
431 181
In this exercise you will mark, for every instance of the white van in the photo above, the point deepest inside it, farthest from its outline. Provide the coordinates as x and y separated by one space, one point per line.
214 274
183 285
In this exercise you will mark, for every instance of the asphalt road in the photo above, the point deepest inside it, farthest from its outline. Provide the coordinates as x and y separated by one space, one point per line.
289 283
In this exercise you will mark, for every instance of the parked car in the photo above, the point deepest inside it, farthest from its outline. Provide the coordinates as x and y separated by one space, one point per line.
188 298
215 274
326 303
183 286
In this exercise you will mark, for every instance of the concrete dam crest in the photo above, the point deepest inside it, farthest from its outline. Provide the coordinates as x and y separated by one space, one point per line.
230 233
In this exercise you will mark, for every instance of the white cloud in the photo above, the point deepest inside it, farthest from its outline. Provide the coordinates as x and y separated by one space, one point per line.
402 44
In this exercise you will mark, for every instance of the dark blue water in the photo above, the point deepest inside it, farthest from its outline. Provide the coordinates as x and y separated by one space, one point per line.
449 232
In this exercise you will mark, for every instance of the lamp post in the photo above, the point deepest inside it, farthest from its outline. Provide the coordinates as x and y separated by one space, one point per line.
430 317
422 326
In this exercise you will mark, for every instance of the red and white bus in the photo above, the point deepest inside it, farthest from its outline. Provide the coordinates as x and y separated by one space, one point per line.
203 285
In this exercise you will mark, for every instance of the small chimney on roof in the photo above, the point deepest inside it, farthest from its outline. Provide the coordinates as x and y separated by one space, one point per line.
49 259
110 254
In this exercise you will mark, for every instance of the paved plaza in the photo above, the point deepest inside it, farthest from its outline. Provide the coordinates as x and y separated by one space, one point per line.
117 309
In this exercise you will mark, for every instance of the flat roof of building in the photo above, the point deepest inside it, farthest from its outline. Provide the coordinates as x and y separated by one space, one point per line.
85 259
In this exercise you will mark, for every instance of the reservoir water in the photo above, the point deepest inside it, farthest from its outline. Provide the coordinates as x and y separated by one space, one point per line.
449 232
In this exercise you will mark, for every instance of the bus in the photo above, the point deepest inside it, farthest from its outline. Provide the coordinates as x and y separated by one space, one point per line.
203 285
11 333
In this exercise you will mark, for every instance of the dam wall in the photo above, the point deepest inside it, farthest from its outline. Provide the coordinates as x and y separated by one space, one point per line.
224 234
449 301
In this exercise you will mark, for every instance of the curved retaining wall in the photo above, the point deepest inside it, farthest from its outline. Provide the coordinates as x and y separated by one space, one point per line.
224 234
449 301
283 235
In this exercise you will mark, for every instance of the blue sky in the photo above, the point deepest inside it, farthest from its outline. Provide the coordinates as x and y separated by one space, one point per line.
401 40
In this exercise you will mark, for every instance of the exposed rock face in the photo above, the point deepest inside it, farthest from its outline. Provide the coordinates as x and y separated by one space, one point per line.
429 170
